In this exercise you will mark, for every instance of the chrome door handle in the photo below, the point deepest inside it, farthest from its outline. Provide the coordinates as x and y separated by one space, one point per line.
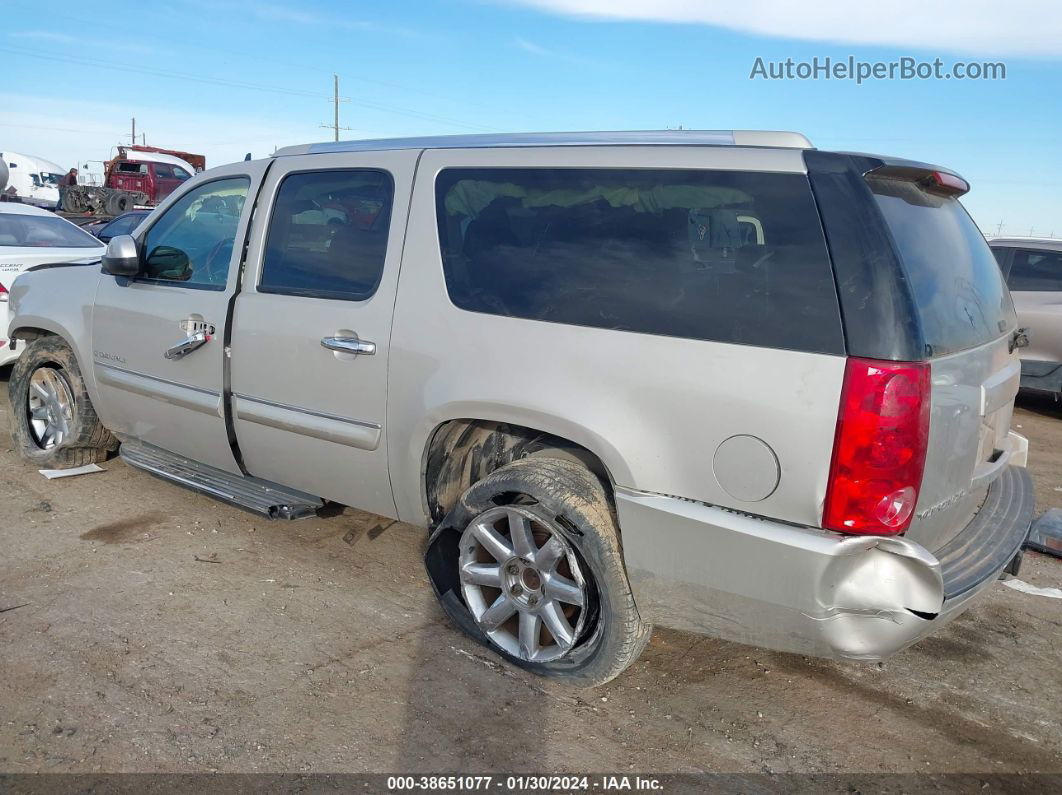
349 345
186 346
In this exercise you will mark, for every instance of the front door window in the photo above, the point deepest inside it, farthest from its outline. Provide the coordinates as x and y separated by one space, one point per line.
191 244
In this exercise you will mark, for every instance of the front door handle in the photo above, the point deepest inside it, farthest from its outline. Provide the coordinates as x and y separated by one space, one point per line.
186 346
349 345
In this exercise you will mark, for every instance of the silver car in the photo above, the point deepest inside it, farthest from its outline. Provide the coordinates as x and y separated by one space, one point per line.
719 381
1033 269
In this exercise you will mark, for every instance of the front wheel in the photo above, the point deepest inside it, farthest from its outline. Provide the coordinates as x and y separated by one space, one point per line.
53 424
529 563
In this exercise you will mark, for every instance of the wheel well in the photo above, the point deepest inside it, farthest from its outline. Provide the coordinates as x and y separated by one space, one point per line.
28 333
462 452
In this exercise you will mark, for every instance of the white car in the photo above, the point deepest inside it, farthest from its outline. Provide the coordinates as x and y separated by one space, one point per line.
31 236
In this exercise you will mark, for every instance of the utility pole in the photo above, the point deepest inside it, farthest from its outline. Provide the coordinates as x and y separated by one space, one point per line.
336 99
132 136
999 229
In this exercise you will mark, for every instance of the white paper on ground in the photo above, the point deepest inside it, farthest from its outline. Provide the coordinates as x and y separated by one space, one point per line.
52 474
1024 587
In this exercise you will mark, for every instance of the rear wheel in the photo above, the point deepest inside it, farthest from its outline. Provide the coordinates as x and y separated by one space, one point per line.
533 555
53 423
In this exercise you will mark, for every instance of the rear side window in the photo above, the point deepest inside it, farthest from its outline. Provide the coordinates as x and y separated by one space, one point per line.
711 255
1036 271
955 282
328 234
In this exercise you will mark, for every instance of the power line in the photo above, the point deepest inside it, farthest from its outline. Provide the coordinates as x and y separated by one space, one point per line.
272 60
101 64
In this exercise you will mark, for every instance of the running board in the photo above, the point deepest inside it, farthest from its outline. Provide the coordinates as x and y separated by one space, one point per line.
259 496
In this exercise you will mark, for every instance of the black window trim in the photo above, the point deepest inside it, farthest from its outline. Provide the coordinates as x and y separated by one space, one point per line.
176 196
328 295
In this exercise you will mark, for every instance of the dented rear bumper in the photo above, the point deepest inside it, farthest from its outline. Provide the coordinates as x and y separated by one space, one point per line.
705 569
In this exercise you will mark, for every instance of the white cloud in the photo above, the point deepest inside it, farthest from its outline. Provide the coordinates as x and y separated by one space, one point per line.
545 52
49 37
44 35
983 27
301 15
534 49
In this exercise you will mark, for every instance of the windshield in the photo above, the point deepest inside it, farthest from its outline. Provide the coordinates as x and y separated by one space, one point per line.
956 284
42 231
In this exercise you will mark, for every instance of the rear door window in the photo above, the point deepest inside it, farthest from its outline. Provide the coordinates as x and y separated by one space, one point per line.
1036 271
712 255
955 281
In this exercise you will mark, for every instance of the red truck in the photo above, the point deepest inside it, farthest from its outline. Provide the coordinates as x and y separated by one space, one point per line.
139 176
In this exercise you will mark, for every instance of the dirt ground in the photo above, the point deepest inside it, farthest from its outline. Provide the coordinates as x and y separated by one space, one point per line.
147 628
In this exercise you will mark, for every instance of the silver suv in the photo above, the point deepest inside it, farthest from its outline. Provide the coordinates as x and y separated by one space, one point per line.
1033 270
719 381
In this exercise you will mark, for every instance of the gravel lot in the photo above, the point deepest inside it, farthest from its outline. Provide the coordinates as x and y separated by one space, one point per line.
158 630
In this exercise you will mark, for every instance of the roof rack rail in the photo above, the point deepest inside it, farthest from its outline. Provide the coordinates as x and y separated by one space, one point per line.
764 138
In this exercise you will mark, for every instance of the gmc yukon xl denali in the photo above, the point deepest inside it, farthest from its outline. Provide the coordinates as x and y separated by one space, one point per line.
718 381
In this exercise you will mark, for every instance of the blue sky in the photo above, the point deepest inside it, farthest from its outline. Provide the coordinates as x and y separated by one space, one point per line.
224 78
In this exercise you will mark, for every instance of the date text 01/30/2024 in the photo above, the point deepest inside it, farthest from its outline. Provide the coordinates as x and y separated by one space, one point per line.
524 783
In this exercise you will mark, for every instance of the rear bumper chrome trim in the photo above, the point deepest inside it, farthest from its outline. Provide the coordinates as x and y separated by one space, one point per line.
706 569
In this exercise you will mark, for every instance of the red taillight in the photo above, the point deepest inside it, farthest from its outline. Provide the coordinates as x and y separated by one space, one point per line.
3 294
949 184
880 447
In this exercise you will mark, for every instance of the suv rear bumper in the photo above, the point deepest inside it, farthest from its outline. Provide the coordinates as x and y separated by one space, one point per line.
705 569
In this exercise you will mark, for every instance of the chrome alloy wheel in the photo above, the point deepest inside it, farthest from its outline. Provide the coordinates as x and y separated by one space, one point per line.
51 407
523 583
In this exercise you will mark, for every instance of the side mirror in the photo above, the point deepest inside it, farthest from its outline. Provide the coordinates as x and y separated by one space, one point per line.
167 262
121 257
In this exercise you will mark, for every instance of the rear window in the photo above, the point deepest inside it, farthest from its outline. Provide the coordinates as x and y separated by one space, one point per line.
956 284
712 255
43 232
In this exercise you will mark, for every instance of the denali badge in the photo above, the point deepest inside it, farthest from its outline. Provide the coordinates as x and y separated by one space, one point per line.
111 357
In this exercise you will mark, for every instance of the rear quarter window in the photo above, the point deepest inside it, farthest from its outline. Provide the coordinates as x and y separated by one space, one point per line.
711 255
955 281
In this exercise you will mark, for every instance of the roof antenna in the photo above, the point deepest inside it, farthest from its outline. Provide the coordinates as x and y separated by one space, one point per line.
247 156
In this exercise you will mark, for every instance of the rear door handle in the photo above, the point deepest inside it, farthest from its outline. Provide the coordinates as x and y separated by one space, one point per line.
349 345
186 346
